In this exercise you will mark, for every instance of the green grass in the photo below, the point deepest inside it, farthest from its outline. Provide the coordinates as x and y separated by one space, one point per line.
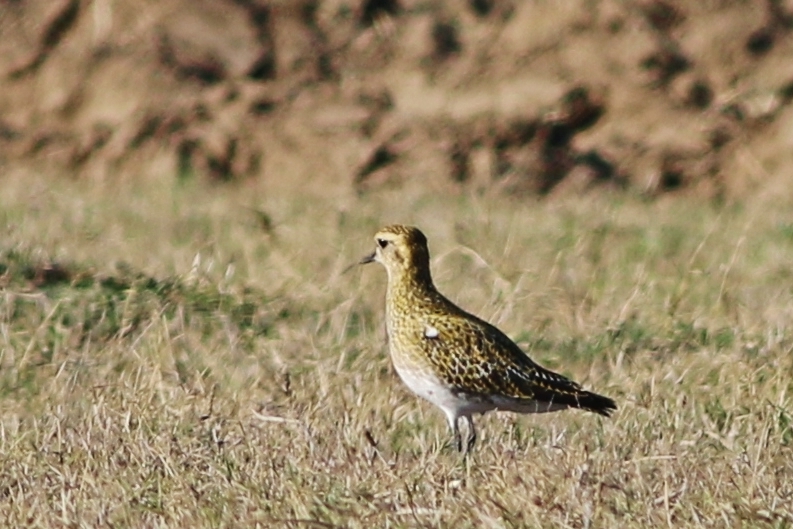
166 362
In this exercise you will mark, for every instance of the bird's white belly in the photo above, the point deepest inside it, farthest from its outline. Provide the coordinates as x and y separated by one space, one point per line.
427 386
454 404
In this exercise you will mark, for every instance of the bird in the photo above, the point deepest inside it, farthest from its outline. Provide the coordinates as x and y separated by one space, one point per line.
455 360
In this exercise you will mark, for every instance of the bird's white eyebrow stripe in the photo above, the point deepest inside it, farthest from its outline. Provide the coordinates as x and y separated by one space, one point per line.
430 331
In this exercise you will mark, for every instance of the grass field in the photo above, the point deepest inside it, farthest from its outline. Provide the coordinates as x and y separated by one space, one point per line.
169 359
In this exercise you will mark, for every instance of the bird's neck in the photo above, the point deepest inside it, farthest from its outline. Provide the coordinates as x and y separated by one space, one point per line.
408 289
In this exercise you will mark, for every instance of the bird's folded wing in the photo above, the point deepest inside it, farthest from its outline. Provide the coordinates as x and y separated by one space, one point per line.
475 357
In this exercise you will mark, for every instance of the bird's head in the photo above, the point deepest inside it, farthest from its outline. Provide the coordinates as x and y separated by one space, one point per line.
402 250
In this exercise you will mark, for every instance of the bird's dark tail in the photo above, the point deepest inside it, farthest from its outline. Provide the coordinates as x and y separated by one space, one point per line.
586 400
544 386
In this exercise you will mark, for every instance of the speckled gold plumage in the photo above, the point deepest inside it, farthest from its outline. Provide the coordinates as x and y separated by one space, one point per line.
455 360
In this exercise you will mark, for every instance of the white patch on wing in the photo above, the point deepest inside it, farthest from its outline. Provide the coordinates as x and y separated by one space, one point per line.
430 331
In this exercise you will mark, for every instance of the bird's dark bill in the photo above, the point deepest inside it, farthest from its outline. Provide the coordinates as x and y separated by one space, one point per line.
368 259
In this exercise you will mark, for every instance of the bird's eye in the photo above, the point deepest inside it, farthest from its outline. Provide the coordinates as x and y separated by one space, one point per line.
382 243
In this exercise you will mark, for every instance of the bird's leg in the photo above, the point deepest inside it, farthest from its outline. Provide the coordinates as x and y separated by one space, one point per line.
471 441
458 440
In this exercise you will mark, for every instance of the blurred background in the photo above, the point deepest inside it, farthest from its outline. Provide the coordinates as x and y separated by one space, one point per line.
534 97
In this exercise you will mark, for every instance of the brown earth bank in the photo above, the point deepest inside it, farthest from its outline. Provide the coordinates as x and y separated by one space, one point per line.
535 97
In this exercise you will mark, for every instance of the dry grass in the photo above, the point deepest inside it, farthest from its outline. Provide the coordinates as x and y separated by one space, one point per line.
251 387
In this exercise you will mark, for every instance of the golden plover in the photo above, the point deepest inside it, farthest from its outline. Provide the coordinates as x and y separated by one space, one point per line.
453 359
